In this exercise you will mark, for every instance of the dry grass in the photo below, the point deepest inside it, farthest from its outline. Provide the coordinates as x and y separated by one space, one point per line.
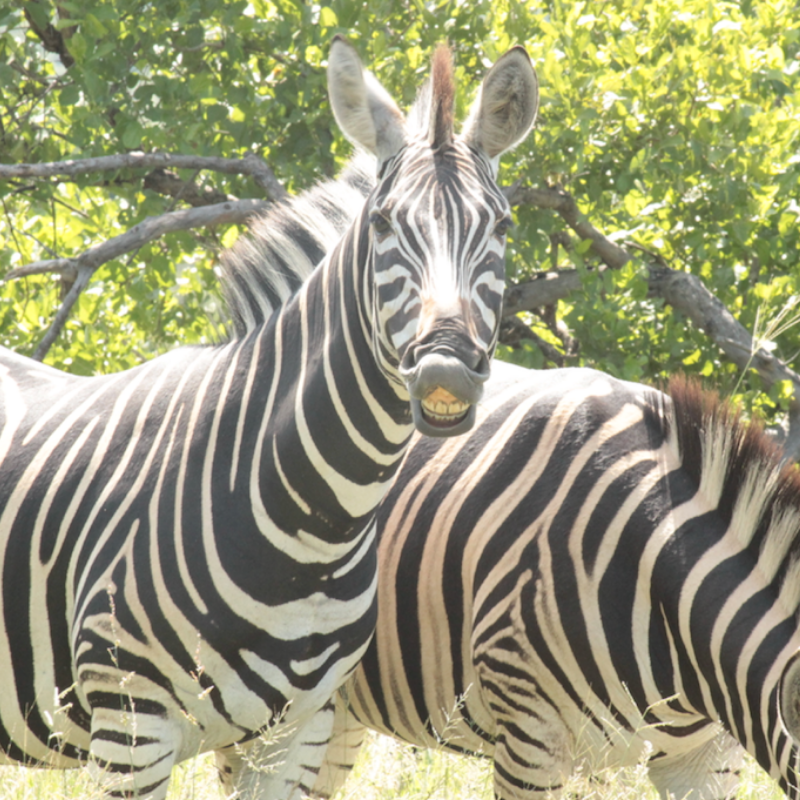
386 770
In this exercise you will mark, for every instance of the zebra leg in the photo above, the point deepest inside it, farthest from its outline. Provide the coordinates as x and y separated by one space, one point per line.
343 747
283 764
709 772
133 748
533 755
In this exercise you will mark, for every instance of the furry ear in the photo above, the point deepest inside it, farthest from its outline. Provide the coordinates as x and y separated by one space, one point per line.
506 106
362 107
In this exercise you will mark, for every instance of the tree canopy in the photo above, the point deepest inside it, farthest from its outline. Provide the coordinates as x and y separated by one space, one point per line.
657 201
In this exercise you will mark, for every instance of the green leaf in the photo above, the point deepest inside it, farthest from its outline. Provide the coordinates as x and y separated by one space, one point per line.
327 17
132 134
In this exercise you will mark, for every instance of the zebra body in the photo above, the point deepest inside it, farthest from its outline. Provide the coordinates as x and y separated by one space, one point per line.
188 547
594 574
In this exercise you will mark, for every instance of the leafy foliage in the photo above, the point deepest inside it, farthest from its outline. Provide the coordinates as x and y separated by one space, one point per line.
674 123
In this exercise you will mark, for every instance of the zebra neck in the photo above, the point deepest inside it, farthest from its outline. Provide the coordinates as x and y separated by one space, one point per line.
337 423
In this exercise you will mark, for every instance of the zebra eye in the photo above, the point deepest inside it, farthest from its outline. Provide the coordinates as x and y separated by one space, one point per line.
503 227
380 224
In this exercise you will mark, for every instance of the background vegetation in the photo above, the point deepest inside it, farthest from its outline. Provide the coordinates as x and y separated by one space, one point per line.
672 124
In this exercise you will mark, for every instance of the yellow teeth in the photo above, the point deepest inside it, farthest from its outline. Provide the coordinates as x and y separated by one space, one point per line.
441 404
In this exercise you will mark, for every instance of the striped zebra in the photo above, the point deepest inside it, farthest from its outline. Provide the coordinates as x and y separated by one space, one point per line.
188 548
596 574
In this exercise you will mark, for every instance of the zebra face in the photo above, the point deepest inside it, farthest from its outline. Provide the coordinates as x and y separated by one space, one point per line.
438 228
437 225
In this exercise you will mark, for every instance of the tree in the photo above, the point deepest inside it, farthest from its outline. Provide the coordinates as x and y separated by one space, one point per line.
657 201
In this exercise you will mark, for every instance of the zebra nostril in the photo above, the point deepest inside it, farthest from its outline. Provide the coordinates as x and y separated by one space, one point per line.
480 364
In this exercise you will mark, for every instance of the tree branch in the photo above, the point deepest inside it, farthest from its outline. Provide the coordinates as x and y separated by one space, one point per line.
51 38
227 213
513 331
62 315
682 290
561 201
688 294
543 289
251 165
82 267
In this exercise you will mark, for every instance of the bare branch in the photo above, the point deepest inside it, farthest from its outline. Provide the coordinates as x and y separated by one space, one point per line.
251 165
513 331
543 289
51 38
62 315
81 268
151 228
561 201
687 293
67 267
683 291
264 177
791 444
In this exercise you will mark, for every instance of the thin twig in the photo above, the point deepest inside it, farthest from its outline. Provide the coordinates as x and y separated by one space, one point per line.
82 267
251 165
148 229
62 315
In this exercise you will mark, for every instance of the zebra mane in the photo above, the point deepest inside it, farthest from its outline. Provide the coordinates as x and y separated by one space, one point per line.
266 267
442 98
739 468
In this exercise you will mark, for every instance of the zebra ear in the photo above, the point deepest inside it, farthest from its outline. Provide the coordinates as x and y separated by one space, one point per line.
789 697
362 107
506 106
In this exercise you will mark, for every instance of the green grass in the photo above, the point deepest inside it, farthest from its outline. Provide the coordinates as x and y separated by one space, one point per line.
386 770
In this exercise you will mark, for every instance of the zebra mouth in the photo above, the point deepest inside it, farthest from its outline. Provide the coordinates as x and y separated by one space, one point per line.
441 414
440 408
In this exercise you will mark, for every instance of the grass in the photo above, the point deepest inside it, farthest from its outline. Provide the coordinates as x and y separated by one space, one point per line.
386 770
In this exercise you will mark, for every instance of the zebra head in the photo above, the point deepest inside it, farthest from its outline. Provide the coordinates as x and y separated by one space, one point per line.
437 225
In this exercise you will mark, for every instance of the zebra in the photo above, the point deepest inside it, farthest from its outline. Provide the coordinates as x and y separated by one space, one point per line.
598 573
188 547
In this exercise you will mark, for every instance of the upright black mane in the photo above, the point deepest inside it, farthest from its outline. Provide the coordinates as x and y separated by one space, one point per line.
284 245
739 463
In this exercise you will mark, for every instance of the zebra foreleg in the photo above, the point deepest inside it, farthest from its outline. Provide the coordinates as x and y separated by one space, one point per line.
340 755
532 757
283 764
709 772
133 748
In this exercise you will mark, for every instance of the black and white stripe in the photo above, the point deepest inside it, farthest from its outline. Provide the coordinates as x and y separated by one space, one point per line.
596 572
187 548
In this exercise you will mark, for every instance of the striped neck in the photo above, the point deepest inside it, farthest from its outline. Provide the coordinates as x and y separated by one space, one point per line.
336 421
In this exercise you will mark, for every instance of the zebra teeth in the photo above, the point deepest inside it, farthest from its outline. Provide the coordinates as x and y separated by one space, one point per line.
440 406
